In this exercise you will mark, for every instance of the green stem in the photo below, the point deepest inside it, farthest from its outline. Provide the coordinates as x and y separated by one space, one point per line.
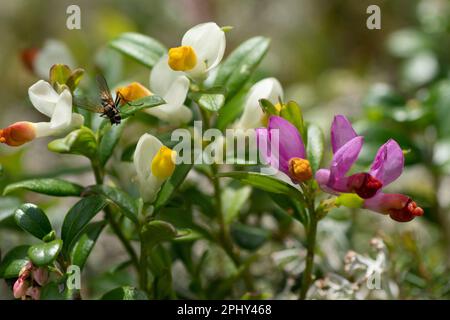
99 177
310 247
143 266
224 232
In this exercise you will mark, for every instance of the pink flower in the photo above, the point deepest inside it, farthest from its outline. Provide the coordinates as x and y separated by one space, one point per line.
290 156
386 168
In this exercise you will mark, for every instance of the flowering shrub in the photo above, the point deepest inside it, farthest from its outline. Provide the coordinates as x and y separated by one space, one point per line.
164 213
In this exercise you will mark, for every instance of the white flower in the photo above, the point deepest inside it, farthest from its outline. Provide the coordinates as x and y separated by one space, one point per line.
52 52
173 87
154 163
253 116
58 107
202 49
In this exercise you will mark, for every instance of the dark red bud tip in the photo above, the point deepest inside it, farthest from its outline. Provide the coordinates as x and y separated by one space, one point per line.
364 185
407 213
28 56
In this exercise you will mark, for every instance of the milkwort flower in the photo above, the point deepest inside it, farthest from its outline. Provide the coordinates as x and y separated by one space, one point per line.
253 116
154 163
281 146
58 107
202 48
386 168
171 85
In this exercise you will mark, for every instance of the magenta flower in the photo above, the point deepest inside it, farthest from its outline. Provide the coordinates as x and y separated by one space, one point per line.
346 145
386 167
281 146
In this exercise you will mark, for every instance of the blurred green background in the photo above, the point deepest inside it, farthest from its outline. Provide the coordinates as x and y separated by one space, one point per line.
325 58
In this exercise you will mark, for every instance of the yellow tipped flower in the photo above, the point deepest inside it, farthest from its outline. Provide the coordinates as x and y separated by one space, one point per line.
300 169
56 106
163 163
182 58
154 163
133 91
201 50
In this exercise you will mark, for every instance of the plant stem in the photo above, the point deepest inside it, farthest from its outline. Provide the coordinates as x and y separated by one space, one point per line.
310 247
99 177
143 276
224 232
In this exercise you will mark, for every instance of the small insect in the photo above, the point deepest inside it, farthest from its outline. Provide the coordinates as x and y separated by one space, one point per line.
107 106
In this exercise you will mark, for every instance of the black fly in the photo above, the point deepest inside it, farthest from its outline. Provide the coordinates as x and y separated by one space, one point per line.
107 106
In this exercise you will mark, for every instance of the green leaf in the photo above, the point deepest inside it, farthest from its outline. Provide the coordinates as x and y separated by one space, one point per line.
268 107
78 217
119 198
231 110
240 64
263 182
157 231
51 187
293 113
171 185
233 200
13 262
85 243
315 146
139 47
247 237
211 99
110 138
81 142
125 293
33 220
45 253
59 73
134 106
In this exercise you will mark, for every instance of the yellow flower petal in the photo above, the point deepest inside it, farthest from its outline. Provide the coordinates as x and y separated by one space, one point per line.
163 163
132 92
182 58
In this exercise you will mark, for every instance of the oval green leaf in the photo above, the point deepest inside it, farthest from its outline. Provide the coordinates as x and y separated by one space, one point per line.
86 243
263 182
33 220
240 64
78 217
121 199
48 186
82 142
14 261
44 254
134 106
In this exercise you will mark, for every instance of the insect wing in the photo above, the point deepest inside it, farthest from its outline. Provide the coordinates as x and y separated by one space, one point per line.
81 101
105 94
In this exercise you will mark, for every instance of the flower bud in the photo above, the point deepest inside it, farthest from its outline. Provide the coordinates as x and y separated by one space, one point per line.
34 293
299 169
20 287
18 133
40 275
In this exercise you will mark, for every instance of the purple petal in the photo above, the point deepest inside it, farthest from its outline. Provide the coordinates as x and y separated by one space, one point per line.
343 160
398 206
323 178
388 163
290 142
341 132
